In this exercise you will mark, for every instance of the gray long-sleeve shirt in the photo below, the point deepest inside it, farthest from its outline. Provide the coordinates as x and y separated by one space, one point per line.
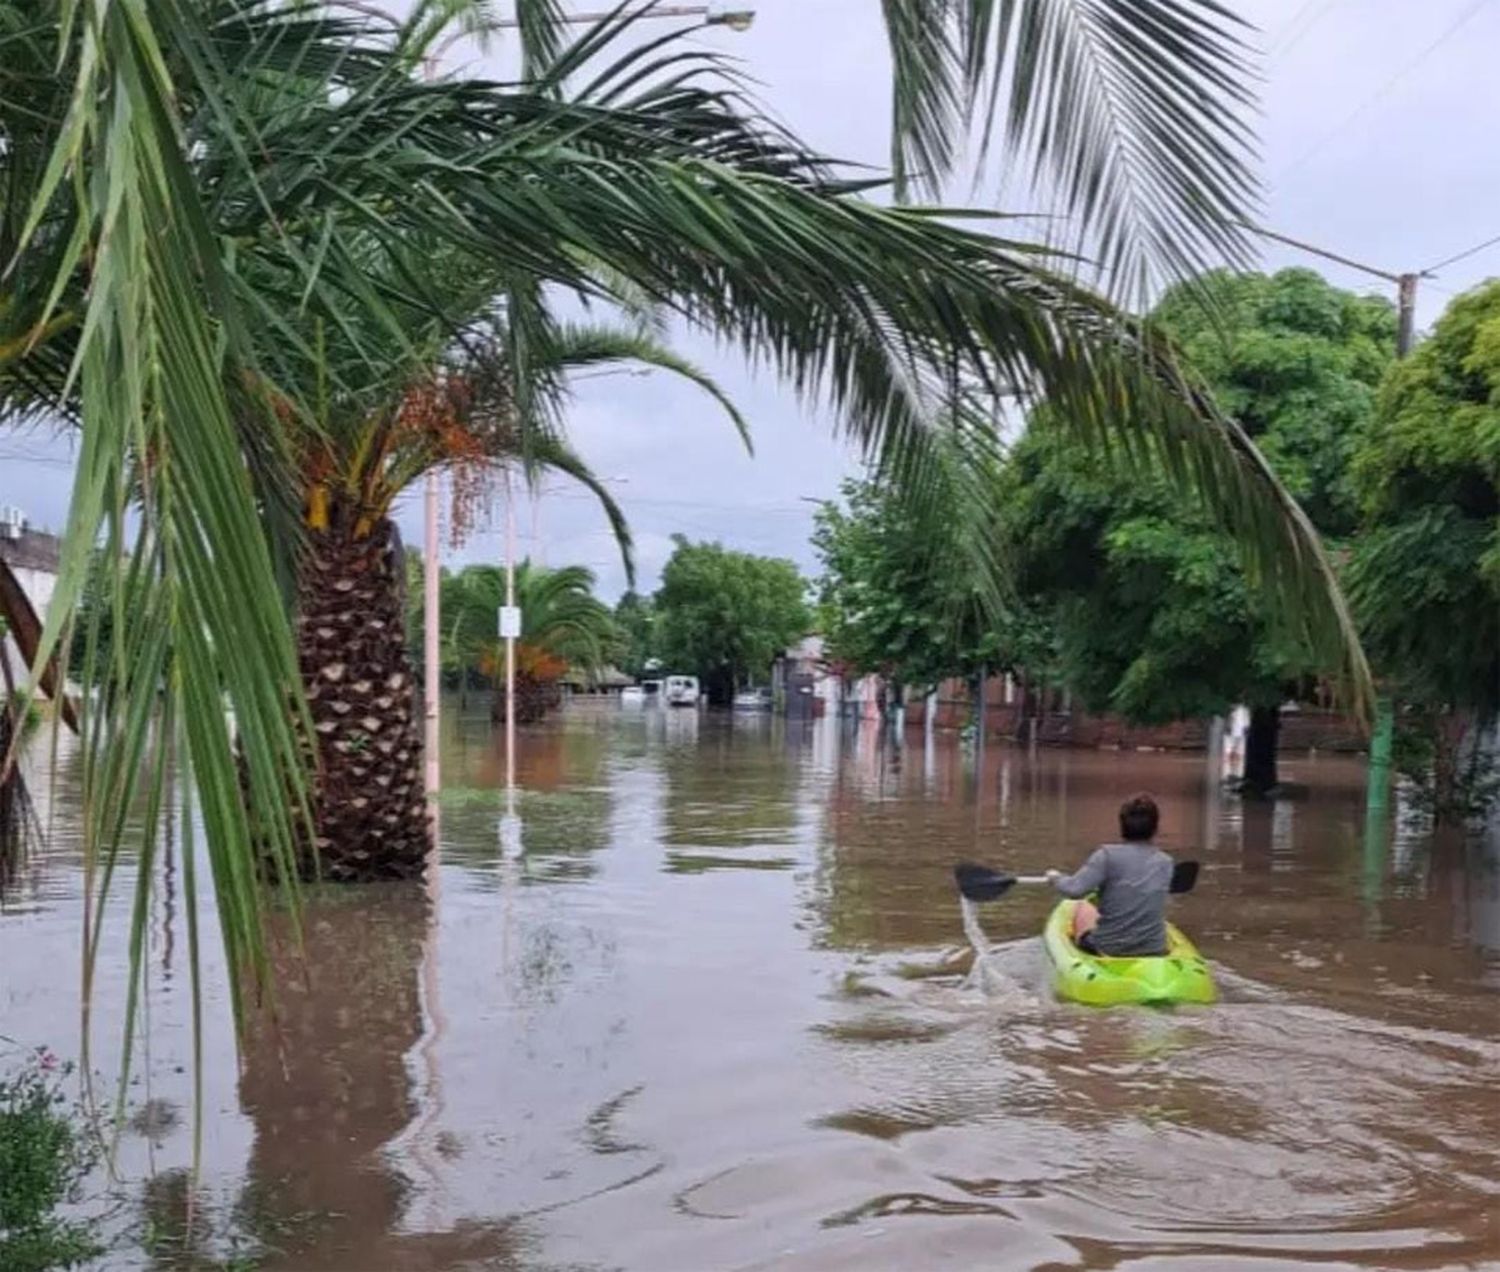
1132 880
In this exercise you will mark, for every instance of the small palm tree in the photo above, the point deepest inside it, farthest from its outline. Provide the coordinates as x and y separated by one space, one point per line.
563 626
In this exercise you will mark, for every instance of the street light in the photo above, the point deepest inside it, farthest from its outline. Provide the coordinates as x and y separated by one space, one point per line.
737 20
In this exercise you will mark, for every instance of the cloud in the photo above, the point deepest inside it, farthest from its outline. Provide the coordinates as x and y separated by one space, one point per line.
1401 184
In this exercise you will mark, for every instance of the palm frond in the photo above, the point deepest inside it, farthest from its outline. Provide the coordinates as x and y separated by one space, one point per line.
541 26
197 613
556 454
880 312
1133 117
560 614
595 344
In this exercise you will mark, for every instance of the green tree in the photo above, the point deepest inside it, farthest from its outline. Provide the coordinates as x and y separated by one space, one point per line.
635 616
1425 572
1298 363
897 598
1157 619
724 616
1153 614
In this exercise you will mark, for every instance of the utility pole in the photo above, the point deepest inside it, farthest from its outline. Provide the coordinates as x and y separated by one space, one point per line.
431 570
1406 309
430 682
1377 790
510 629
737 20
1383 736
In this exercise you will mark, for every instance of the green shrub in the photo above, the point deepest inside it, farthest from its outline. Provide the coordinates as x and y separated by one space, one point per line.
43 1159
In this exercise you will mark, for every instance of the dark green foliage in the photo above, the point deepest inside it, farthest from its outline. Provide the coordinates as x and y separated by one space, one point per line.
43 1158
563 624
1298 363
899 597
724 616
1424 576
635 616
1156 616
94 615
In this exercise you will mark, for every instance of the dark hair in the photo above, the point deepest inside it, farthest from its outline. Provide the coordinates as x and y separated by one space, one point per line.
1138 817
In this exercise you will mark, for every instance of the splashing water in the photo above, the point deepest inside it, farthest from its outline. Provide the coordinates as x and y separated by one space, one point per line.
989 975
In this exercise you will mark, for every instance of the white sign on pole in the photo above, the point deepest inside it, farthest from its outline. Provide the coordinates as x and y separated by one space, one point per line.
510 622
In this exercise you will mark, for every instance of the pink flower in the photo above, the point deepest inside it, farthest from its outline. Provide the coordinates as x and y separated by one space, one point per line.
47 1060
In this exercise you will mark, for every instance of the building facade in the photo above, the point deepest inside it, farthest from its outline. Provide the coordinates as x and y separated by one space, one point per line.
32 557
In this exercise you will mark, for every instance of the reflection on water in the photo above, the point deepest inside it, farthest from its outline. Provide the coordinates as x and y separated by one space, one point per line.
713 1008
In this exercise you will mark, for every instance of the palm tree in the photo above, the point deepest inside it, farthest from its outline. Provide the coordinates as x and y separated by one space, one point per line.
563 626
225 177
466 415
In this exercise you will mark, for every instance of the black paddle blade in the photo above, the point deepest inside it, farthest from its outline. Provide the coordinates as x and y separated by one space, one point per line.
1184 876
980 883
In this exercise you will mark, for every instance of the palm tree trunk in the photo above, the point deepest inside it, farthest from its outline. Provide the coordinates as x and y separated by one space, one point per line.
368 801
534 699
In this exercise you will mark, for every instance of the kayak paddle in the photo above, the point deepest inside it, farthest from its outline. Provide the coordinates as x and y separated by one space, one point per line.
980 883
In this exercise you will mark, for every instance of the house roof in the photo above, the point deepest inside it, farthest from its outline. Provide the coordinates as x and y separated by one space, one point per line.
34 550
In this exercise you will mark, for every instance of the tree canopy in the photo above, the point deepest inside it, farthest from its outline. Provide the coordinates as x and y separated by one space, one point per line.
1298 362
1425 572
1152 615
635 616
1156 615
897 597
725 616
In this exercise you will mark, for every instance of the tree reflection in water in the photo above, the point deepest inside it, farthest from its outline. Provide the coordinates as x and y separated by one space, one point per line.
328 1088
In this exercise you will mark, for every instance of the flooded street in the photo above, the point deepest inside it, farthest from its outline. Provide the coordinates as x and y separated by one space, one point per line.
705 1007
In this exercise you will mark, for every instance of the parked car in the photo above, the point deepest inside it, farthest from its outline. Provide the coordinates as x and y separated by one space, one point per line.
682 691
632 696
753 700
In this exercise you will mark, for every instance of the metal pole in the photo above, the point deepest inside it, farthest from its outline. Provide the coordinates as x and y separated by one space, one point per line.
1406 308
432 775
510 642
536 526
1382 734
430 679
1382 737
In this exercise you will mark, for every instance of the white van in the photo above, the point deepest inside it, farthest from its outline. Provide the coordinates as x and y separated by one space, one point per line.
682 691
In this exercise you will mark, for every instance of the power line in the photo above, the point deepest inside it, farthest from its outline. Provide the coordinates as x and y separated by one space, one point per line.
1290 37
1379 94
1464 255
15 457
1291 23
1388 275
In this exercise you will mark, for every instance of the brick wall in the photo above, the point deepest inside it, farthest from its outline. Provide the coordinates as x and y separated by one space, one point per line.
1311 729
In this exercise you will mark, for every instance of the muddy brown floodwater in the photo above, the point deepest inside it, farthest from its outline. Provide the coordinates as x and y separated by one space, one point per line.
705 1008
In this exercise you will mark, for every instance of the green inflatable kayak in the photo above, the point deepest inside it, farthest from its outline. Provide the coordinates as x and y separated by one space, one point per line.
1178 976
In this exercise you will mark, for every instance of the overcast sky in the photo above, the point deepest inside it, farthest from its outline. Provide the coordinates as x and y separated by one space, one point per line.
1377 139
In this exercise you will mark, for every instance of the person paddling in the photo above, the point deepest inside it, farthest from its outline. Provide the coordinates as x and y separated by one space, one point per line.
1131 879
